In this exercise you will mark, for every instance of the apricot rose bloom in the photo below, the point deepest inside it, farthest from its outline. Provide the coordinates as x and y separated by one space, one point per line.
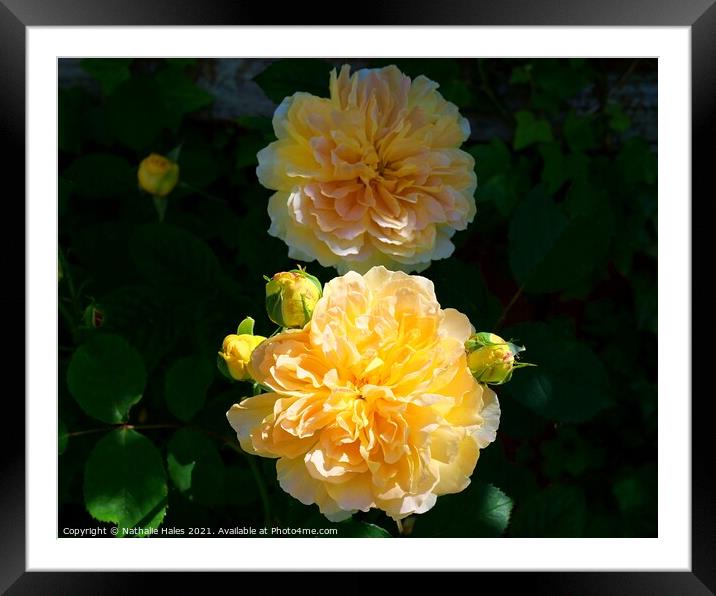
372 175
371 404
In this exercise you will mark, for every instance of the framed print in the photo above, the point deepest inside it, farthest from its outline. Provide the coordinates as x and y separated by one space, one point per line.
433 288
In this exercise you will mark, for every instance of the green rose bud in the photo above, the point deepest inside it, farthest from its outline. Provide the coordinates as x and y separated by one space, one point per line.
291 297
491 359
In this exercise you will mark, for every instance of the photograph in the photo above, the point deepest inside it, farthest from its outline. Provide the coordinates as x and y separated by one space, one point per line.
357 297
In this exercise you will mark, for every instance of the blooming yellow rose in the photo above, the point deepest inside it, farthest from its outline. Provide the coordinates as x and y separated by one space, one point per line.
372 175
158 175
372 403
236 352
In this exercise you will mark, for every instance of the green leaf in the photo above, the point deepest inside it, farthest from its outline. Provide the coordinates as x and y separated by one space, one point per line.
106 376
180 95
101 175
618 120
169 257
300 516
258 124
62 437
248 148
569 453
145 316
556 512
569 383
457 92
493 467
579 132
636 489
461 285
491 159
637 162
557 80
145 105
531 130
187 382
109 72
480 511
246 327
554 173
521 75
549 252
283 78
499 181
136 113
125 482
195 467
504 190
536 228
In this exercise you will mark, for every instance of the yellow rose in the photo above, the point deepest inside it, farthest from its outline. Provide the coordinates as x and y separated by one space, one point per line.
372 175
490 358
158 175
236 352
371 404
291 297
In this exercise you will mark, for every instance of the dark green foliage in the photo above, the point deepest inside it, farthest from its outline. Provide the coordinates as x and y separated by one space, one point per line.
109 72
106 376
286 77
195 467
561 258
480 511
186 385
125 482
555 512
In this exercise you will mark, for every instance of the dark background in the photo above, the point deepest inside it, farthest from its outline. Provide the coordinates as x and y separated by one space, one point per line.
561 256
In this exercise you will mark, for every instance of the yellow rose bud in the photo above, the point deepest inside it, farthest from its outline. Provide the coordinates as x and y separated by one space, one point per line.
490 358
236 352
291 297
158 175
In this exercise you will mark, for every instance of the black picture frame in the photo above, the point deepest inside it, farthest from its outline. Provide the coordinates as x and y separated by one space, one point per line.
17 15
